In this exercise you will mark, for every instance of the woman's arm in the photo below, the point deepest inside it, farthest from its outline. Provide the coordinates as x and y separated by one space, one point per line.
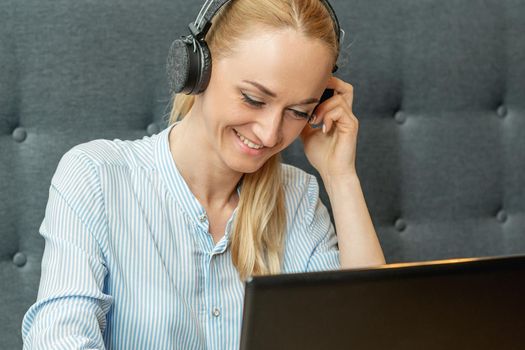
71 308
356 236
333 152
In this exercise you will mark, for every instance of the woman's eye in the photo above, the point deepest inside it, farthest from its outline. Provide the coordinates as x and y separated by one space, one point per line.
251 101
300 115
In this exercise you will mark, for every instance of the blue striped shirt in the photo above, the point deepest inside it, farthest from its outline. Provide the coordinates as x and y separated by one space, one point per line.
128 260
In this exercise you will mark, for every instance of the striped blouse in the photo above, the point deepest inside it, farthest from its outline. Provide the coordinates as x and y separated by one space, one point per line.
128 260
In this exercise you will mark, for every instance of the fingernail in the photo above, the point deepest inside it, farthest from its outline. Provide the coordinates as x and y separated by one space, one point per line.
324 129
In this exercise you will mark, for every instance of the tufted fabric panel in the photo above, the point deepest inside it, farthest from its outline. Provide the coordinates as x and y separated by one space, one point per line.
440 87
70 71
440 95
439 91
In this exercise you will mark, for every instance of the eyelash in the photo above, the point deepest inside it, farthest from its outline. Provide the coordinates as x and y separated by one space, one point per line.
258 104
251 102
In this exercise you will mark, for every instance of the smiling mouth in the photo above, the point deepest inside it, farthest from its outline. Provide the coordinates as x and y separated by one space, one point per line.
248 142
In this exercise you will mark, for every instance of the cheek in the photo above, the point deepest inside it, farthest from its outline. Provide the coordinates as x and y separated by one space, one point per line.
224 108
291 131
217 105
239 114
235 114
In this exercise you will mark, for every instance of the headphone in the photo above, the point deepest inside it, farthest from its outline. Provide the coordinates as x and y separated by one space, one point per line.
189 59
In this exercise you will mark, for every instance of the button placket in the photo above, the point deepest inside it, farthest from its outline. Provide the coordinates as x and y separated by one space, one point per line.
214 300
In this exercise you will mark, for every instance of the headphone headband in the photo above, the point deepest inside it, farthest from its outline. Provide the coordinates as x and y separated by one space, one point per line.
209 9
189 61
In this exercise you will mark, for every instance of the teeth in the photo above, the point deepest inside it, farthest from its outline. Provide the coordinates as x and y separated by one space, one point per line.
248 142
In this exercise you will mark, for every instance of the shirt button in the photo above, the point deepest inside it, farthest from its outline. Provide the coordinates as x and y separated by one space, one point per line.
216 312
203 218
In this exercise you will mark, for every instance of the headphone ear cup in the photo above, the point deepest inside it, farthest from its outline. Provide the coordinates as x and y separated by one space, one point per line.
205 67
178 65
188 69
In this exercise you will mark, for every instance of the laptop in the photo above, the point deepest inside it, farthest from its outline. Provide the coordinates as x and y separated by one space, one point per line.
448 304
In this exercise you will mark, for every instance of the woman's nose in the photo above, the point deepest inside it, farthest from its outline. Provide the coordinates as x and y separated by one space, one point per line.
270 131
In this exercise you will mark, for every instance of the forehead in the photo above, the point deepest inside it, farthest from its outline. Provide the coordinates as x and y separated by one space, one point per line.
281 59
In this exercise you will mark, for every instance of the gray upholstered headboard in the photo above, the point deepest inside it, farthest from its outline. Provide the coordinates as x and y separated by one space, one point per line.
439 90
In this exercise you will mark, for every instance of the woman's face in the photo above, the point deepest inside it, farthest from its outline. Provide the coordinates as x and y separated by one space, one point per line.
261 96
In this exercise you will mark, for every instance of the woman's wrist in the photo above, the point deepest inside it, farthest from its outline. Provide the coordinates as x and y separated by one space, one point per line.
334 184
357 239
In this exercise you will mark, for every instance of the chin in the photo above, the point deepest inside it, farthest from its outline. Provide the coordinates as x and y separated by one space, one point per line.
243 167
242 163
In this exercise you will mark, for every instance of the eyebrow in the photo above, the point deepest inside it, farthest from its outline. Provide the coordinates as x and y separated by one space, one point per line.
266 91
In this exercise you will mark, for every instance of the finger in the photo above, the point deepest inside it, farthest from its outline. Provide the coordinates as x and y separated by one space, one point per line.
316 121
337 103
345 121
331 103
340 86
331 117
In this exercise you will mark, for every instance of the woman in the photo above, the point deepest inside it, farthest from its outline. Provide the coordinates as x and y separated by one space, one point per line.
148 242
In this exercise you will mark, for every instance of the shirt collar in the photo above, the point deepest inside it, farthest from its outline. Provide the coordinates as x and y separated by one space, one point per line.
173 179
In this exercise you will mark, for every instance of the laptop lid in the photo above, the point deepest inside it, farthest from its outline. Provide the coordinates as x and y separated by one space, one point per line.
449 304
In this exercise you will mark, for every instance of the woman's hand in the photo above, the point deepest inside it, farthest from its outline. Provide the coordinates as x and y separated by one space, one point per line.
332 153
332 150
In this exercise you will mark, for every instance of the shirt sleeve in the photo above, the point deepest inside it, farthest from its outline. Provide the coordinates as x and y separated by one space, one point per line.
325 255
71 306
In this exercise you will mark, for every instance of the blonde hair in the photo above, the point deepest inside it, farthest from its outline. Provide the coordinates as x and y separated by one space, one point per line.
257 239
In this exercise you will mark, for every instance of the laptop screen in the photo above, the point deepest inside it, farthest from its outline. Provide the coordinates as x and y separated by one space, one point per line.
450 304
